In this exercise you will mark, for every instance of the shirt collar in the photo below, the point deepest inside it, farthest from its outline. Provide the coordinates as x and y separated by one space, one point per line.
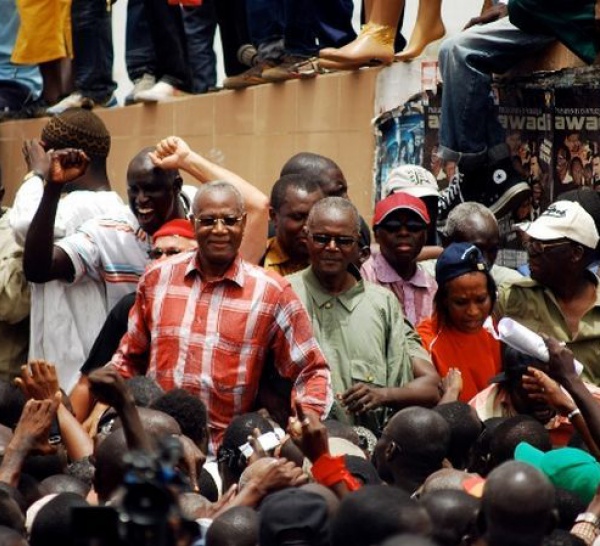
385 273
235 272
347 299
275 255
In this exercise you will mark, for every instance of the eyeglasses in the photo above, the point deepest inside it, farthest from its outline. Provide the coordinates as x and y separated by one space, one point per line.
537 247
341 241
210 222
393 226
156 253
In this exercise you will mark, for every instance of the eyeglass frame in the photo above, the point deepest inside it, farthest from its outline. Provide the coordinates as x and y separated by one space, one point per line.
214 221
542 247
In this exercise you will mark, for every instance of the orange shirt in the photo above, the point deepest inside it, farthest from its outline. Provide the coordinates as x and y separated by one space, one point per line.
476 355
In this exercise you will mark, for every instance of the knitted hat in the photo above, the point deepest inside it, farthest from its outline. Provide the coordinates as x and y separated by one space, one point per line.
77 128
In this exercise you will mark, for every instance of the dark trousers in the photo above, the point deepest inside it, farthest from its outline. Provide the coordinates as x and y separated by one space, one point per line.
92 48
200 24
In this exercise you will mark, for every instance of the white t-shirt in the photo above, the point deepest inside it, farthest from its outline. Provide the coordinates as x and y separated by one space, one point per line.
65 318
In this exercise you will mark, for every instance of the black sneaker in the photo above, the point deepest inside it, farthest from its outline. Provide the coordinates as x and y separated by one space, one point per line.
451 196
498 186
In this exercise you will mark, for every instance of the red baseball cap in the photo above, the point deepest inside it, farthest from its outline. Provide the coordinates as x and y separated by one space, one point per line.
399 201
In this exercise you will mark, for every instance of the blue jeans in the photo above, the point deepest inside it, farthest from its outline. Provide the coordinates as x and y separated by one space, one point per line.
292 27
334 22
92 48
139 49
469 127
200 24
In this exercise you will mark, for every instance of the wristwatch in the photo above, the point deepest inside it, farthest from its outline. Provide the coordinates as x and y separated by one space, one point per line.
588 517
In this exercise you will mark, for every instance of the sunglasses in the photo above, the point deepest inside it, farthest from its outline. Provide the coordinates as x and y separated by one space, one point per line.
537 247
157 253
210 222
341 241
393 226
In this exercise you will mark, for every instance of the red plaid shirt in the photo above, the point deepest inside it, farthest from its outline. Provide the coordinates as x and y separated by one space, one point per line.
211 338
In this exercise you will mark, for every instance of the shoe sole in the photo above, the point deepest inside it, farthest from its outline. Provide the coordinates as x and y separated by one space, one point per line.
510 199
287 77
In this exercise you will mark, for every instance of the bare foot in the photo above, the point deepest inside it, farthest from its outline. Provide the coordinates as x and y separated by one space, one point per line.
420 38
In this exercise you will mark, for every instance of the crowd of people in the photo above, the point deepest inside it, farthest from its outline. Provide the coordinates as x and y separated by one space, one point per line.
208 365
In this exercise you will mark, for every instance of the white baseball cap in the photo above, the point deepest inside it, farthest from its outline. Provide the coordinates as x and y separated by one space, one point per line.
412 179
564 219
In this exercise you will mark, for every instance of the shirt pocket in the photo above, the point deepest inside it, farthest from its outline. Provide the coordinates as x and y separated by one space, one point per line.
362 371
236 364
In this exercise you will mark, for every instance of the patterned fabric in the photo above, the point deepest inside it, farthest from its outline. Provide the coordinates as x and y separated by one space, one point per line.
415 294
212 338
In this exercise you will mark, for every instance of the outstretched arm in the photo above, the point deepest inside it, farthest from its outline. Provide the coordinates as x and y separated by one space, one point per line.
174 153
42 261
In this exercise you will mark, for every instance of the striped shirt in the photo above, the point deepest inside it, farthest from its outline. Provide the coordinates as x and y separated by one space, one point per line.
212 338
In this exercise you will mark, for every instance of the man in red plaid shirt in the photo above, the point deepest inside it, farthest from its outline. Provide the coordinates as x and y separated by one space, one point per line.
206 320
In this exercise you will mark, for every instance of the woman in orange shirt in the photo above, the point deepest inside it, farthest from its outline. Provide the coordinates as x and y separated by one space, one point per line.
455 335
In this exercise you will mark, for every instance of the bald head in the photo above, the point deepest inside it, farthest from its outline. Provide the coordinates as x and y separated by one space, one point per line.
517 504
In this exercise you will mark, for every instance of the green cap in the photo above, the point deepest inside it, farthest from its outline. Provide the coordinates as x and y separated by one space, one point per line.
568 468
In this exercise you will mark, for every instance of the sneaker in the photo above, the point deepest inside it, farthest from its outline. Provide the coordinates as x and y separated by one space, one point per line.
147 81
498 186
252 76
159 92
77 100
293 67
451 196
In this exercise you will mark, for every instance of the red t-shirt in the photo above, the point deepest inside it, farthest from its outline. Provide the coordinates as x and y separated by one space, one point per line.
476 355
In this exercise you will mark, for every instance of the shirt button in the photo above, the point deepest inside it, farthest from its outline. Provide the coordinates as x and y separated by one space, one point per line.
328 305
370 379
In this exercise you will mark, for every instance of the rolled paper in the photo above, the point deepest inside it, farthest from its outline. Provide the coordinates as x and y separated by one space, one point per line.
523 339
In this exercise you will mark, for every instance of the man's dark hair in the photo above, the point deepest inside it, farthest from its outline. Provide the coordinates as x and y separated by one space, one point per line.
188 410
308 163
144 390
238 526
52 525
298 182
513 431
568 505
465 428
479 459
562 537
236 435
11 514
12 402
374 513
362 470
453 514
63 483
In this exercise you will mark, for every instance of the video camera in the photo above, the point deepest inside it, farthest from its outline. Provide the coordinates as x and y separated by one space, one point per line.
148 513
